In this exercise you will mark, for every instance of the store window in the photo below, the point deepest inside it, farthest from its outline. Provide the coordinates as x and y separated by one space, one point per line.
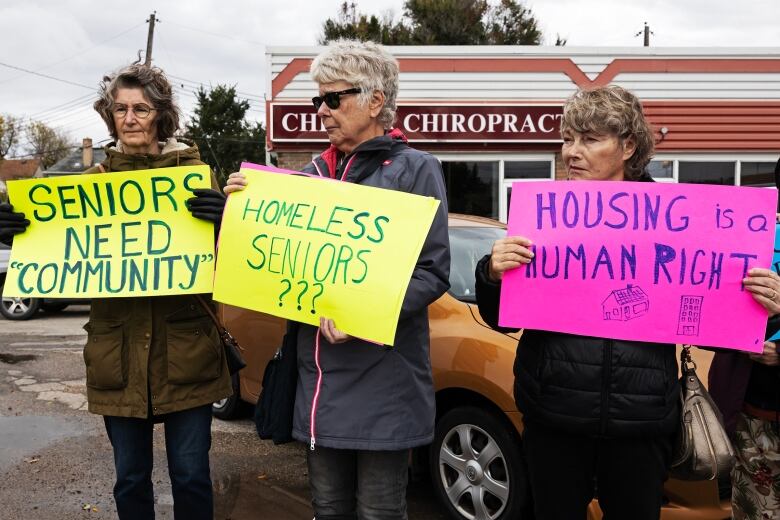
472 187
701 172
661 169
527 169
757 174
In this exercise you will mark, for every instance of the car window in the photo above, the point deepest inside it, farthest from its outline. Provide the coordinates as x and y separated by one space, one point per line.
467 246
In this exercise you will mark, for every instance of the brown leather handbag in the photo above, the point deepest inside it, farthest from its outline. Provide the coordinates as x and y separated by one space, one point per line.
702 448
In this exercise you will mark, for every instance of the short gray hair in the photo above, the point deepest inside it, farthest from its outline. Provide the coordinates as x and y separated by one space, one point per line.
157 90
366 65
612 110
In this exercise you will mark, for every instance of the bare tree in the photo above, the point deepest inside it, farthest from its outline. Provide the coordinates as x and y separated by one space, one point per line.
10 130
47 144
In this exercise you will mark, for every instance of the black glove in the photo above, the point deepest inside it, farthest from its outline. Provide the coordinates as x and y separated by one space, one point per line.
207 204
11 223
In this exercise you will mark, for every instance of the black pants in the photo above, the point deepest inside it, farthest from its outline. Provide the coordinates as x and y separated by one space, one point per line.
358 484
566 472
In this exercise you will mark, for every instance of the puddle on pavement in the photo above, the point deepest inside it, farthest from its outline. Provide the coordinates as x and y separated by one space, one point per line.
245 497
25 435
13 359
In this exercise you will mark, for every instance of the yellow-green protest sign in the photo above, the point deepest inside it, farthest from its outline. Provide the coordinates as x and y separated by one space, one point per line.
301 247
111 235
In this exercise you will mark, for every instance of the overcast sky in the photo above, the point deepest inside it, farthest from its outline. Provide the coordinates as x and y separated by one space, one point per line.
209 42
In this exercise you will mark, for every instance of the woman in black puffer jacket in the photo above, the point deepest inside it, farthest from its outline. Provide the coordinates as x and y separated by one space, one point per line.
598 413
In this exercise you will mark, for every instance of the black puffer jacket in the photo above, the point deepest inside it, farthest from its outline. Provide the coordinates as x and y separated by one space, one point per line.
586 385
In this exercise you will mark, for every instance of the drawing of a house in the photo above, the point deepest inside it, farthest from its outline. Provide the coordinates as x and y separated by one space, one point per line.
625 304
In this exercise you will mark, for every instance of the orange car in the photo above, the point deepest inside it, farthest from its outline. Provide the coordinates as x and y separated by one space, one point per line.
475 460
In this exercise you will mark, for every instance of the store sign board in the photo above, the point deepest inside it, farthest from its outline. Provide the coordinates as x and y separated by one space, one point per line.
435 123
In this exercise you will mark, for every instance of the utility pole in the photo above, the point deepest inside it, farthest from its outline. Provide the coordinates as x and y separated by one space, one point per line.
150 38
647 33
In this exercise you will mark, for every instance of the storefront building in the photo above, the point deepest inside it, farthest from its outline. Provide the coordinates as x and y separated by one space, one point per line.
491 114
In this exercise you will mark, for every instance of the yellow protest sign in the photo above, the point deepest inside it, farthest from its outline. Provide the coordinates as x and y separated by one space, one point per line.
301 247
111 235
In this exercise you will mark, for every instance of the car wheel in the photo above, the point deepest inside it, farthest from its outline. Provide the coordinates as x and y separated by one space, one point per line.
229 407
476 466
53 306
14 308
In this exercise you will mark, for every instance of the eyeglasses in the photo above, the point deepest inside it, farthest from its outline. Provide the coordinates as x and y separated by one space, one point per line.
333 99
141 111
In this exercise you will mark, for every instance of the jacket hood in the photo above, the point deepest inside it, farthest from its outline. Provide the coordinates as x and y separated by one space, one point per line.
173 153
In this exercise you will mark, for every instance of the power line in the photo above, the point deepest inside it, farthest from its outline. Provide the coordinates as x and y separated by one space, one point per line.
46 76
201 84
61 106
88 49
216 35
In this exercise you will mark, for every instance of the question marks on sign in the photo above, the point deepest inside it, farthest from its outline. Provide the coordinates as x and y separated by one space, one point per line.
314 298
300 295
304 287
289 286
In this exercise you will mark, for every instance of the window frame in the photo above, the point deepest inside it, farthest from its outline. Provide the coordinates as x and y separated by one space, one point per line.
501 158
737 159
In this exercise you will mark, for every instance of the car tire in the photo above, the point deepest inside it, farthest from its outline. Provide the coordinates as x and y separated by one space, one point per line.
54 306
229 407
18 308
476 465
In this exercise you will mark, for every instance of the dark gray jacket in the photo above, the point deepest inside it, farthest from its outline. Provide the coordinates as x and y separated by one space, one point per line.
373 397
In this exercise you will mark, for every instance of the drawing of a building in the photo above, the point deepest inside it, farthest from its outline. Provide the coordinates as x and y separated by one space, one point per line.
690 315
625 304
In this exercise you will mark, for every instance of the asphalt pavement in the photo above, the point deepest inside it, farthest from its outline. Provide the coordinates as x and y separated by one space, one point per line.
56 462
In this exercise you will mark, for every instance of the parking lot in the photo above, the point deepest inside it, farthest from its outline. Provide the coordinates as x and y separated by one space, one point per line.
56 461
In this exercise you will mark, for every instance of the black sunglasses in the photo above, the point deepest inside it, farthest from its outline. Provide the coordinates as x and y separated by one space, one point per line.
333 99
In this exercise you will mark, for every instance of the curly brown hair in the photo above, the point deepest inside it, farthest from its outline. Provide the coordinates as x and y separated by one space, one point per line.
157 90
612 110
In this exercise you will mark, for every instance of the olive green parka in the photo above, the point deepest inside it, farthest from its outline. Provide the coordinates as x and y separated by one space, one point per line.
148 356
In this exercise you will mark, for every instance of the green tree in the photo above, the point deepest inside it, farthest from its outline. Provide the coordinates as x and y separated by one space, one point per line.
10 131
509 23
221 131
351 24
440 22
47 144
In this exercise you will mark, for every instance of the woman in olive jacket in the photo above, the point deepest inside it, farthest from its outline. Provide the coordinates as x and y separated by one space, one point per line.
151 359
597 413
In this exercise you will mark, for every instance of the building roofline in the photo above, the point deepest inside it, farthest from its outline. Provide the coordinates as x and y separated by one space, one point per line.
543 50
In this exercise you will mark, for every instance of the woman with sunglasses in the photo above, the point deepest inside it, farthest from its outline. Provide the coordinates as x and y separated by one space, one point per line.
144 365
360 406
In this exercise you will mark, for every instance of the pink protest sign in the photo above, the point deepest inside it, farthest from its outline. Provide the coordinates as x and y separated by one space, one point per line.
640 261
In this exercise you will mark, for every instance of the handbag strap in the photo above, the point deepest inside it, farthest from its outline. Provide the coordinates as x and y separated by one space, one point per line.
226 336
209 311
687 364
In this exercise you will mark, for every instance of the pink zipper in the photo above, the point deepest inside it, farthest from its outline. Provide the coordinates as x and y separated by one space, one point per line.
316 389
315 400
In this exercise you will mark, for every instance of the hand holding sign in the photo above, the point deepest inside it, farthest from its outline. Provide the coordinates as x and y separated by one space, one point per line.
764 284
509 253
11 223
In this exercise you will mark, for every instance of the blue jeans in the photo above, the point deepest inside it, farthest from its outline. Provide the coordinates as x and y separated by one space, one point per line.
187 444
358 484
